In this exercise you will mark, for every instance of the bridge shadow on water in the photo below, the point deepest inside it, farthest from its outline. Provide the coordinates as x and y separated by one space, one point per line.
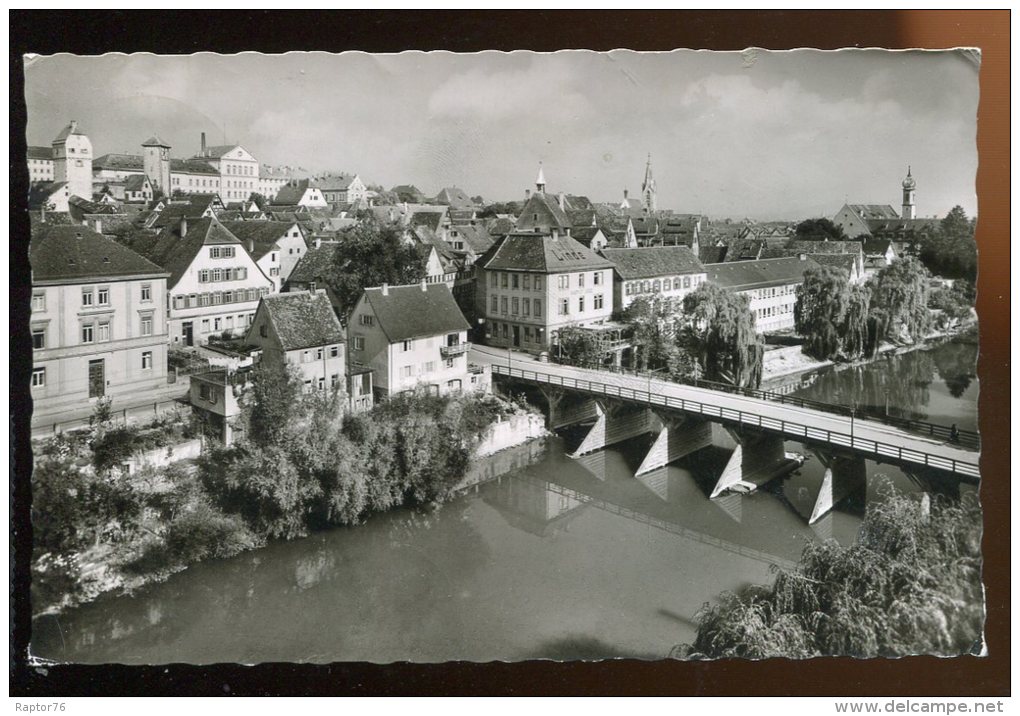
586 648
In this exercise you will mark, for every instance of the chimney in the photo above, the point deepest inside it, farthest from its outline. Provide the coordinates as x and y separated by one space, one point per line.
203 143
527 194
74 126
251 246
99 226
624 193
184 226
424 286
562 201
385 289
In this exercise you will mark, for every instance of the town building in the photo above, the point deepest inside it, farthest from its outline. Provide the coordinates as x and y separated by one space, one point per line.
865 221
276 246
98 327
666 271
300 193
300 331
411 336
341 188
156 164
214 283
72 160
538 279
237 168
847 255
770 284
40 164
455 198
648 191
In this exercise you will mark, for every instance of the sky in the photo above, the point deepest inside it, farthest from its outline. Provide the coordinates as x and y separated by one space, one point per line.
762 135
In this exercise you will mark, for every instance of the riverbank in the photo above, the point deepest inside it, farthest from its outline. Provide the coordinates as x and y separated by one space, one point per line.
174 520
784 366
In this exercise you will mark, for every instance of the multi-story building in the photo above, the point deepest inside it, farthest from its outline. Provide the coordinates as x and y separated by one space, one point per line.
341 188
40 164
300 193
770 284
277 246
237 168
411 336
99 326
301 331
668 271
214 284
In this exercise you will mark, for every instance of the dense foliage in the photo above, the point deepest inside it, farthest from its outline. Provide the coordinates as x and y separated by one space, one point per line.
955 304
910 584
819 230
832 314
717 328
951 251
899 299
371 254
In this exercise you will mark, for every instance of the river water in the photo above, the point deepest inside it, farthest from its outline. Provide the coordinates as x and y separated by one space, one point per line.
558 558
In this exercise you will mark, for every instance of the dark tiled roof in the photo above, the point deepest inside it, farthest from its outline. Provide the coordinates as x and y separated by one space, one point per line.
712 254
654 261
61 252
581 217
411 312
316 265
155 141
746 250
40 152
216 151
454 197
874 211
550 215
67 132
903 226
825 247
118 162
175 253
302 319
135 182
171 214
576 202
541 253
847 262
290 194
476 238
645 225
193 166
745 275
876 246
334 182
431 219
264 234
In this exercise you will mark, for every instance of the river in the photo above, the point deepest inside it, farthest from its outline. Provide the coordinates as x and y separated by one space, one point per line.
559 558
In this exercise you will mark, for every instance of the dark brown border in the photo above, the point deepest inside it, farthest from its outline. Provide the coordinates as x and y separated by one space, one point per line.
178 32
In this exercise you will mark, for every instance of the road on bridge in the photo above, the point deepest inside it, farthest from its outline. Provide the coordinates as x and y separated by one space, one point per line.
862 431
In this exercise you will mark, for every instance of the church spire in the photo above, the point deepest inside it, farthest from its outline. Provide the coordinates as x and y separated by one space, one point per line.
540 180
648 187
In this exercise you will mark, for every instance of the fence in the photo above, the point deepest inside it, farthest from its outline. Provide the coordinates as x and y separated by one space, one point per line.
786 427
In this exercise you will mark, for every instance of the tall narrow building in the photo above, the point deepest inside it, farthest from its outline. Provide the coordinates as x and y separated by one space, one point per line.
909 210
156 163
648 188
72 161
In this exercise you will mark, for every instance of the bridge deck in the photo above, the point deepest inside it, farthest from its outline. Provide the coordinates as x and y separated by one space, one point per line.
882 442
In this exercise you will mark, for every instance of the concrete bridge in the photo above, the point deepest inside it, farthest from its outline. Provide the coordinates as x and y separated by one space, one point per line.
622 407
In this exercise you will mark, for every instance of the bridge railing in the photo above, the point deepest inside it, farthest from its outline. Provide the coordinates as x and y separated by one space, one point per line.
786 427
963 438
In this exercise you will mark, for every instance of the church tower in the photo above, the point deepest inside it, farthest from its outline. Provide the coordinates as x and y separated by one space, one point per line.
648 188
908 197
156 163
72 161
540 180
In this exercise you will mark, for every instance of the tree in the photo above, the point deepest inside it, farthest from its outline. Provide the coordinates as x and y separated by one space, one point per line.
271 404
910 584
503 207
820 229
653 324
576 346
260 201
831 314
900 294
954 304
951 250
371 254
717 328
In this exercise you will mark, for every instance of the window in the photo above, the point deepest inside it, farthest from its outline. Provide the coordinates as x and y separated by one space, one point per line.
503 305
365 319
656 285
538 308
506 330
493 279
687 281
527 282
104 296
599 303
564 281
527 307
205 325
429 367
104 331
334 351
38 337
306 356
87 333
580 304
359 343
146 325
146 360
216 324
38 377
564 306
318 354
407 346
228 322
205 393
38 301
449 362
495 304
146 292
515 306
214 252
228 296
228 252
580 280
334 380
503 280
597 278
515 281
87 297
527 334
538 283
408 371
321 383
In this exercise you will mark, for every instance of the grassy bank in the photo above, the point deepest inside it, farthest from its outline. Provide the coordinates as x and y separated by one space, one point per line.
98 530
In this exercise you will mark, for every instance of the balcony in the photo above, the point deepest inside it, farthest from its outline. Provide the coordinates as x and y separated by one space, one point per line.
452 351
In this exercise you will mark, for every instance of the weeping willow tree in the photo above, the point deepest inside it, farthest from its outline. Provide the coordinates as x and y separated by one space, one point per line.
717 328
901 291
910 584
832 314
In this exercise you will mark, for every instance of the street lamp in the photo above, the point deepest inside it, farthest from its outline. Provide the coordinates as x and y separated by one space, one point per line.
887 402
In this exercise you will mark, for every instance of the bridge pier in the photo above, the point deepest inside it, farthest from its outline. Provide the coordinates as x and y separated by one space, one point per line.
843 476
615 423
679 437
567 408
932 481
758 458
